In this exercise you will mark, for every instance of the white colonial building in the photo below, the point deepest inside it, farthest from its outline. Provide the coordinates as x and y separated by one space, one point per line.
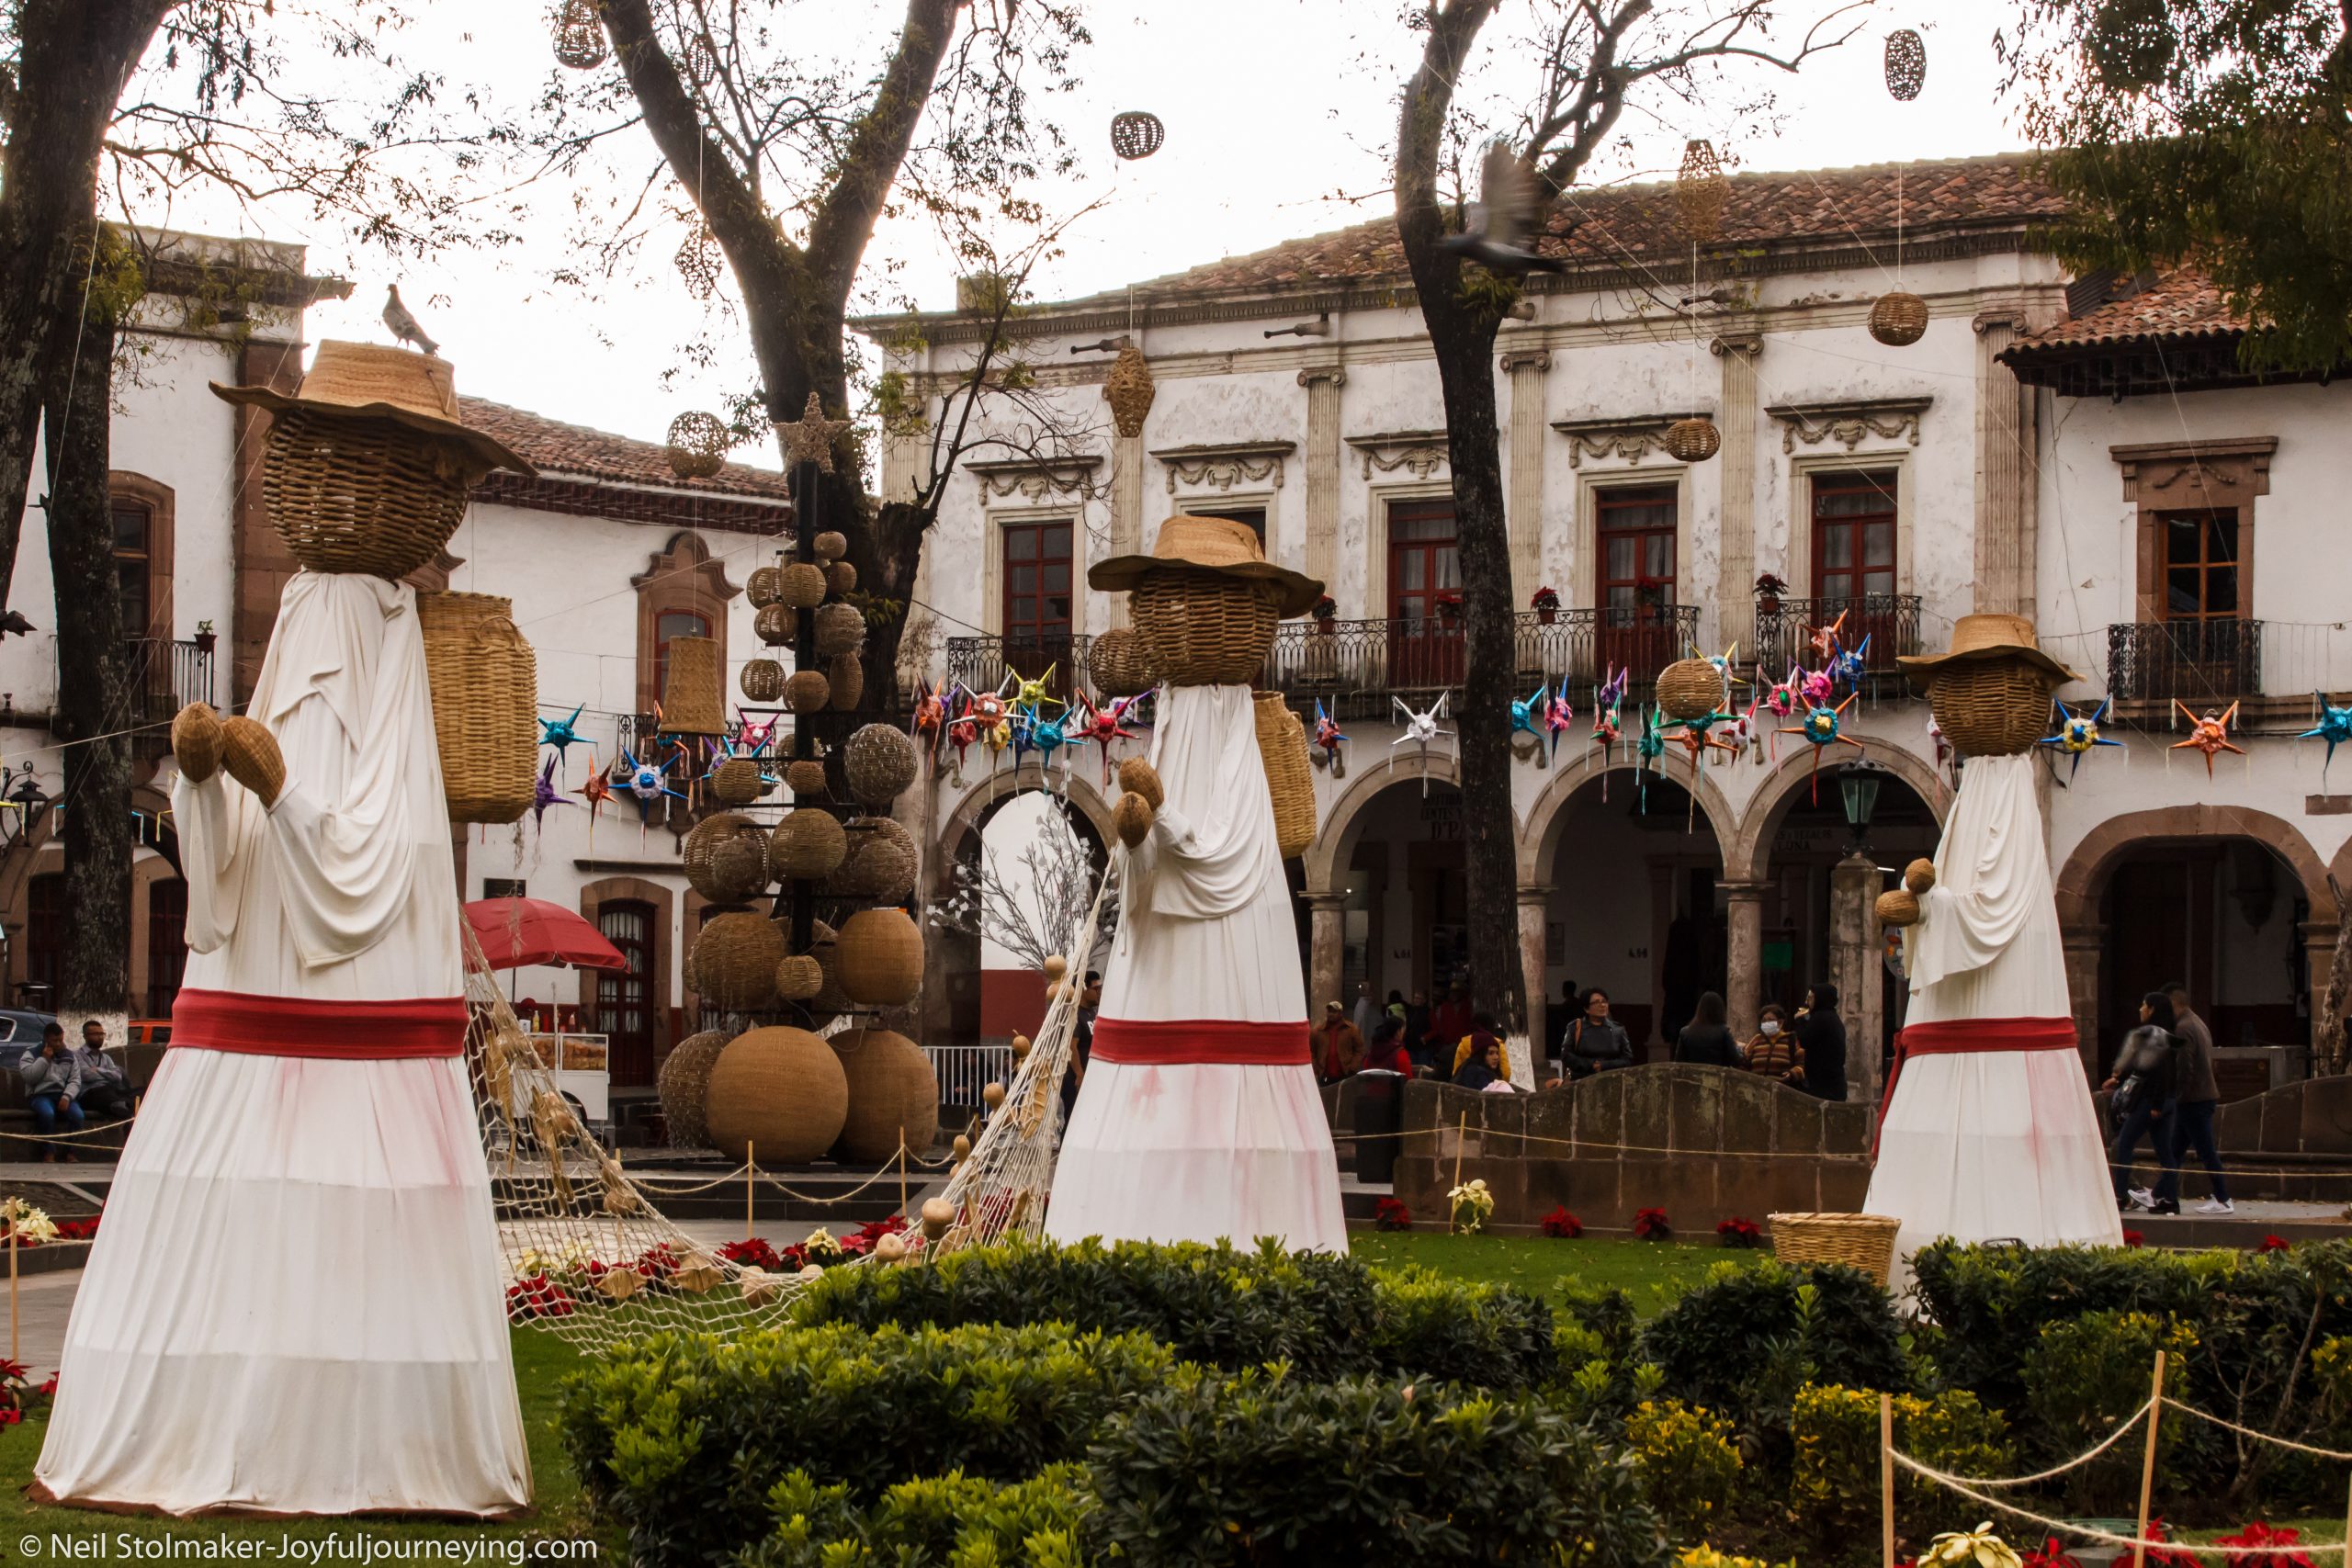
2083 451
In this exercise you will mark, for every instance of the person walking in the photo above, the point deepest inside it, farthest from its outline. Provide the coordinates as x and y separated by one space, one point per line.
1596 1042
1416 1035
1773 1052
1705 1041
106 1088
2200 1096
1821 1043
2144 1089
1081 1042
52 1077
1337 1047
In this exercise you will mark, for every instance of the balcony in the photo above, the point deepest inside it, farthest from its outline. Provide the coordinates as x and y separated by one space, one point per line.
981 664
1355 667
1889 622
2201 664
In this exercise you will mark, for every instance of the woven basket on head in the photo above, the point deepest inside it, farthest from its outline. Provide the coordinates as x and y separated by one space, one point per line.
1693 440
1128 389
830 545
694 693
684 1083
880 763
777 625
1290 778
726 857
880 865
1990 708
881 958
361 494
893 1096
799 978
1898 318
1202 629
803 587
735 959
1117 664
840 629
808 692
737 780
849 682
764 587
763 680
806 846
1689 689
485 686
1859 1241
777 1094
806 780
841 578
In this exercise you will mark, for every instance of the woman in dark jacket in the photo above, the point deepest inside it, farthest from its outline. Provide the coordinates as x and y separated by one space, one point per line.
2145 1088
1821 1036
1704 1041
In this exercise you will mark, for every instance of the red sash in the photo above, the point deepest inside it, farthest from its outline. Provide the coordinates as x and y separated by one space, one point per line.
1188 1042
1959 1036
302 1026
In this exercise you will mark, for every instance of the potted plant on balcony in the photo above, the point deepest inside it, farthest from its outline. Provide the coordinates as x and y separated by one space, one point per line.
1326 611
1449 609
1546 605
1768 589
203 636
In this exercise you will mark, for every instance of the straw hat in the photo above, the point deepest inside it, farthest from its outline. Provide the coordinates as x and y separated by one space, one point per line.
1211 544
361 381
1975 639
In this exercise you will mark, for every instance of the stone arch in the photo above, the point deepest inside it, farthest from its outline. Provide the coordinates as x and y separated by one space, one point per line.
1746 859
662 900
1335 838
2082 880
1539 842
980 800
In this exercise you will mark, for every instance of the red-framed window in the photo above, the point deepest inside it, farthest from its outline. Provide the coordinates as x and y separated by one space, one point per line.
625 996
1424 558
1037 592
2199 566
1853 534
1633 536
134 527
671 624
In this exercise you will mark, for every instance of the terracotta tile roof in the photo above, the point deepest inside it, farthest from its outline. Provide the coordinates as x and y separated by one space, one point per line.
575 452
1628 225
2172 306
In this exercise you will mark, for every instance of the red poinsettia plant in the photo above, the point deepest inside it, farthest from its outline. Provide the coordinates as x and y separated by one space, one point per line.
1738 1232
2270 1537
1544 598
1560 1223
752 1252
2135 1239
1651 1224
2049 1554
1390 1215
538 1296
20 1396
2160 1557
2274 1243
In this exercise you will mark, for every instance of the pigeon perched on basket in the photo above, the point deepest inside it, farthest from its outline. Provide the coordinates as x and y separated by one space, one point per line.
403 321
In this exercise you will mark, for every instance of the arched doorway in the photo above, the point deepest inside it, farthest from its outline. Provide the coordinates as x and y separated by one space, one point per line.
974 991
1384 882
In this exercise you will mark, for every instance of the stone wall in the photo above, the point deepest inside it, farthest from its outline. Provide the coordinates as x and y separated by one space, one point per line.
1703 1143
2294 1143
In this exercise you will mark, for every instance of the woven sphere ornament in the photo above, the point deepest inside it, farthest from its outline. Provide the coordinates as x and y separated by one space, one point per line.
1898 320
762 679
879 866
579 37
727 855
2132 43
764 587
803 587
694 690
1128 389
880 763
738 782
1117 662
779 1091
840 629
806 846
841 578
735 959
849 682
799 978
1906 64
1689 689
777 625
893 1095
697 444
824 947
1136 133
881 958
806 780
699 262
1693 440
683 1084
830 545
808 692
1701 191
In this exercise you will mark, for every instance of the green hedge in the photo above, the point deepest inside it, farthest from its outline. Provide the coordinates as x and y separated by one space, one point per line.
1267 1470
1834 1489
1324 1316
1742 1343
950 1521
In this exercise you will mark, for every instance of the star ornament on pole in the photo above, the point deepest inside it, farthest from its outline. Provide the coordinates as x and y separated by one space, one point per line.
810 438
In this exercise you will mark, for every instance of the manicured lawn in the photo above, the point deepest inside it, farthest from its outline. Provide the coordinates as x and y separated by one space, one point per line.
540 1362
1655 1272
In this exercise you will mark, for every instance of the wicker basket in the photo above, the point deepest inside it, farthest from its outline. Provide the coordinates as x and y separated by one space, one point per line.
880 865
777 625
1898 320
1897 907
880 763
361 494
806 780
1991 707
1693 440
694 693
764 587
683 1084
777 1095
485 684
1689 689
822 947
1128 389
1117 664
841 578
737 780
808 846
830 545
893 1096
1202 629
840 629
1859 1241
799 978
1289 779
881 958
735 959
727 856
808 692
763 680
849 682
803 587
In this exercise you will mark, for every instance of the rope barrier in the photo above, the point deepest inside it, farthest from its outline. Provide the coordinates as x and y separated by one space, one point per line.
2130 1424
2092 1532
2227 1425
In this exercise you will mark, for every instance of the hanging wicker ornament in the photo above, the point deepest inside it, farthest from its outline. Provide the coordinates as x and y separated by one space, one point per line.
737 780
879 867
727 855
700 58
699 260
808 692
1129 391
735 959
799 978
840 629
806 846
848 683
1116 663
694 692
1689 689
880 763
1701 191
1136 133
1898 320
579 36
777 625
1906 64
763 680
842 578
830 545
803 587
806 780
1693 440
2132 43
697 444
778 1093
764 587
881 958
683 1081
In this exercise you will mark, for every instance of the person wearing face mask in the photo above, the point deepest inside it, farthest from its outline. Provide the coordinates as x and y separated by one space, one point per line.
1774 1051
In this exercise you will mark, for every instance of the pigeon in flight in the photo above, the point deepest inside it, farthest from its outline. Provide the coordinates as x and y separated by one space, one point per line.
1500 223
404 322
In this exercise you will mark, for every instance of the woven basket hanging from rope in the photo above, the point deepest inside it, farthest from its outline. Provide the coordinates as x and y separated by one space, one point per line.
1906 64
880 865
893 1095
779 1092
840 578
764 587
727 856
1289 779
1689 689
848 676
485 686
699 260
694 693
1693 440
1199 628
361 494
579 37
777 625
1701 191
737 780
1136 133
1115 661
1129 391
1898 320
684 1083
762 679
697 444
880 763
1859 1241
735 959
1991 707
806 846
808 692
803 587
840 629
830 545
881 958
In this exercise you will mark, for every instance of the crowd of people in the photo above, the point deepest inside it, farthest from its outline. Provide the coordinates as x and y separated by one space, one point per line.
70 1087
2163 1089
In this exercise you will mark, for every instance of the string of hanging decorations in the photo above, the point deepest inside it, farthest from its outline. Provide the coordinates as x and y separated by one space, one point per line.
579 36
697 444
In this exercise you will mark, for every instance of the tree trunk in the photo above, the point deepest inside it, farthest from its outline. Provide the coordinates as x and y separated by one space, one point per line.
98 697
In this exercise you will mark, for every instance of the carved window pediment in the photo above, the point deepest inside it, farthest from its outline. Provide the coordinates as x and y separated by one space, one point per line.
1419 453
1036 479
1630 437
1220 466
1849 420
2197 473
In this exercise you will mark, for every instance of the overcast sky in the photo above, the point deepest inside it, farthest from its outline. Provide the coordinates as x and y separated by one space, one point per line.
1271 112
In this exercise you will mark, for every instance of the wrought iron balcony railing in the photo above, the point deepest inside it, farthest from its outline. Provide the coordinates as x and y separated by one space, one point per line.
2201 663
981 664
1884 626
1355 667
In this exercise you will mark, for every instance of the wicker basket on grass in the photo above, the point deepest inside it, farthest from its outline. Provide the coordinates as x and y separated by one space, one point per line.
361 494
1117 663
726 857
806 846
1859 1241
683 1084
694 693
735 959
1689 689
880 954
1202 628
763 680
1289 779
880 761
1992 707
485 686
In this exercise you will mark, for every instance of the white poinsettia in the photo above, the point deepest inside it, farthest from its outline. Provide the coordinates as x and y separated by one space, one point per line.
30 1224
1472 1203
1979 1548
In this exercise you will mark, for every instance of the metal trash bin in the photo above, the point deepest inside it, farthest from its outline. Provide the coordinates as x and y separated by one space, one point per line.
1379 1107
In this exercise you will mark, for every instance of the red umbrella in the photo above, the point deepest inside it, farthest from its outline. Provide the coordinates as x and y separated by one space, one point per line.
516 932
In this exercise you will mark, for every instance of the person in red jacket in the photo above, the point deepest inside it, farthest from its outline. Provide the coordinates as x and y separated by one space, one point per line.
1387 1052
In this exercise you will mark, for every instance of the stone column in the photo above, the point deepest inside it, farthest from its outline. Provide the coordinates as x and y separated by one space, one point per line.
2006 490
1523 495
1855 966
2319 959
1127 508
1735 474
1534 904
1322 461
1326 960
1744 955
2086 947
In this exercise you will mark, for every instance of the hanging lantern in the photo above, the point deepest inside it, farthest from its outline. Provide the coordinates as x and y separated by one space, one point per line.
700 58
1898 320
699 260
1701 190
1135 134
2131 44
1693 440
1128 389
1906 64
579 36
697 446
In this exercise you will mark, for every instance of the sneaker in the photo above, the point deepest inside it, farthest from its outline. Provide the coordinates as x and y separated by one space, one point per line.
2217 1206
2143 1199
2164 1206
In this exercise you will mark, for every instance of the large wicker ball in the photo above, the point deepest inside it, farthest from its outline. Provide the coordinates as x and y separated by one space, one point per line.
880 865
1991 707
808 692
777 625
806 780
1117 664
881 958
825 949
841 578
830 545
697 444
777 1096
893 1095
1200 628
1689 689
804 586
840 629
735 959
763 680
1898 320
849 682
808 846
880 763
1693 440
737 780
764 587
727 855
683 1082
799 978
